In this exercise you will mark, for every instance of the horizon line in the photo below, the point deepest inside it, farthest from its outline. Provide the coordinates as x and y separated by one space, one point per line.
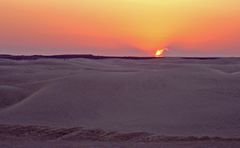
92 56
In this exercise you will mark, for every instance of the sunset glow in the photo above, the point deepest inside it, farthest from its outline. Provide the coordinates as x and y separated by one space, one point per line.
120 27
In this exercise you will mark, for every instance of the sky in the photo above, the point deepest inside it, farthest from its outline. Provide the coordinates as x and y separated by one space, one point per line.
120 27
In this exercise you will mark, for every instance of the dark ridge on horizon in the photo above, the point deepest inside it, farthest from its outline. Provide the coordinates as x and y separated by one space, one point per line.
67 56
95 57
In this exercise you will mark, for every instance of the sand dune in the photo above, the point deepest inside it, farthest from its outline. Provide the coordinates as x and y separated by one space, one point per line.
171 96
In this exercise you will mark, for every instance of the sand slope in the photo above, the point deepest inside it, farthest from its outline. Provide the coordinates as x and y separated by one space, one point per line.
176 97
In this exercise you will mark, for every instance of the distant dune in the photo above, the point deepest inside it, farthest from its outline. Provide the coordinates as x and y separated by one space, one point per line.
89 56
181 99
70 56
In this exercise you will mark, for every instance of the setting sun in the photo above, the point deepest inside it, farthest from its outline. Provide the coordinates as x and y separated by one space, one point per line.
159 52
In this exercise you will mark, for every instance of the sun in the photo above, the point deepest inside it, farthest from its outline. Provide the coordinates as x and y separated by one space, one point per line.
159 53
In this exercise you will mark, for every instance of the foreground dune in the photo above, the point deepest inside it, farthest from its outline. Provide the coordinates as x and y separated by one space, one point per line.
170 97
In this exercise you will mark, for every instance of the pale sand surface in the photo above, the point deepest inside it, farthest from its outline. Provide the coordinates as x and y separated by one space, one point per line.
171 97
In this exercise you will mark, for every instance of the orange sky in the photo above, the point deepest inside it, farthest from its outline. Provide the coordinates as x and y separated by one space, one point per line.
120 27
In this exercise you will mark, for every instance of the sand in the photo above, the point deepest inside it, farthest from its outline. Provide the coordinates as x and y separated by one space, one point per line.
168 97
